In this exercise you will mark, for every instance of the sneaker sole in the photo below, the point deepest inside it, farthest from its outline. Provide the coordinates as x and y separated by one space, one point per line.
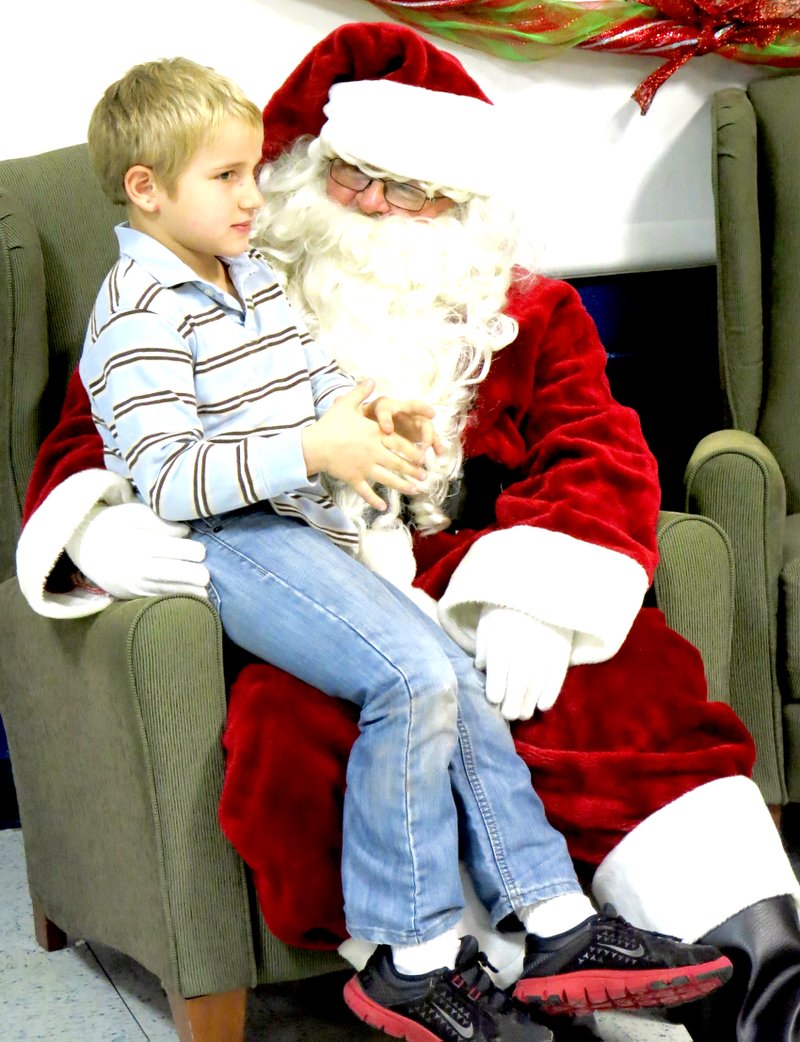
384 1019
593 990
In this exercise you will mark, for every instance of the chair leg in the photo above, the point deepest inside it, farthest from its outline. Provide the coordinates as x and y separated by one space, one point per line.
776 810
210 1018
51 937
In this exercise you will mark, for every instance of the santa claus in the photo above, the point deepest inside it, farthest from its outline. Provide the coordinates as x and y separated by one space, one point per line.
533 541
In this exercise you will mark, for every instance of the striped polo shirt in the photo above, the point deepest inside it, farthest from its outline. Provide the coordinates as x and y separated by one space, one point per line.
201 398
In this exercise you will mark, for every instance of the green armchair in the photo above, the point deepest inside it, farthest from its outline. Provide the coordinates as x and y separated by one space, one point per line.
748 477
114 721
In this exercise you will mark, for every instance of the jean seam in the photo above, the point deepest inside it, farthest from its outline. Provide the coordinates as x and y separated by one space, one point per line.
407 787
487 817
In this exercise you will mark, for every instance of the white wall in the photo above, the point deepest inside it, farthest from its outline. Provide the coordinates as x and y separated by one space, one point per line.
607 189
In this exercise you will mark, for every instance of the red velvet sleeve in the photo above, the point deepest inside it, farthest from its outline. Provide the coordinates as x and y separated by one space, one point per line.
73 445
574 460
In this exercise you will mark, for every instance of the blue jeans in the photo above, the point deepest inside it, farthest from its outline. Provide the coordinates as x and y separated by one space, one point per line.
433 775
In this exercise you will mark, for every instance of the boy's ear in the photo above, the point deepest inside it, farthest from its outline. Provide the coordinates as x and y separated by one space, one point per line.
141 189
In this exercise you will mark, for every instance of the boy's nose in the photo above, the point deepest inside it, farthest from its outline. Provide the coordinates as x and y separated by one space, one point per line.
252 198
372 199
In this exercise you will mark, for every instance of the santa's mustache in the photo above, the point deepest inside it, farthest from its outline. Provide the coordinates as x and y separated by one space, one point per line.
464 255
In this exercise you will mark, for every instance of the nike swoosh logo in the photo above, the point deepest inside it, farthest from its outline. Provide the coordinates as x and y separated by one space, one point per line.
633 953
458 1028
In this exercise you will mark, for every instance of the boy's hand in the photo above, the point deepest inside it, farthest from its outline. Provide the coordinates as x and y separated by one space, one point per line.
350 446
408 417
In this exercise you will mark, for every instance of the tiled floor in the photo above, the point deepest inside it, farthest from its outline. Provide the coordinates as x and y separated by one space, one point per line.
89 993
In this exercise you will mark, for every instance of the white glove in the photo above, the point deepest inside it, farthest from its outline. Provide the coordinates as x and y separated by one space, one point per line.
129 551
525 660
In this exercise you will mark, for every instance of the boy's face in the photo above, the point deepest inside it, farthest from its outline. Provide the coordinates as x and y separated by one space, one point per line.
211 210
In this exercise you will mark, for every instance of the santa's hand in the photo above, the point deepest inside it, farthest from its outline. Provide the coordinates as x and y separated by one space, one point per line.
130 552
525 660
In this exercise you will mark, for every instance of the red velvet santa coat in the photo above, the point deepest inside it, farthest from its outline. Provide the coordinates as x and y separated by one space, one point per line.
559 521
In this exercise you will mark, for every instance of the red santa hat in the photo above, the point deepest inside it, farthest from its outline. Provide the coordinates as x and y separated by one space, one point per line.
381 94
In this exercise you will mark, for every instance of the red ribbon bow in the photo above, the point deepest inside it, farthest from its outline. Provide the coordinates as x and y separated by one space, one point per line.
688 28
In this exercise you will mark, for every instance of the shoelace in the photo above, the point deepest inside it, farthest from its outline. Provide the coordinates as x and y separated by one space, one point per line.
622 932
472 974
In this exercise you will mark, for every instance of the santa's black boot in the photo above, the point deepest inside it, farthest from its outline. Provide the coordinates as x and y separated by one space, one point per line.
711 867
761 1002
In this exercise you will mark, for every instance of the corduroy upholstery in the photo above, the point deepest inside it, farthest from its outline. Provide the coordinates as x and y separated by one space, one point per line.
748 477
114 721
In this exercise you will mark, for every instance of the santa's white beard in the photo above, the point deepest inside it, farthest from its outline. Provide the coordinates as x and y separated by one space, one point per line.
413 304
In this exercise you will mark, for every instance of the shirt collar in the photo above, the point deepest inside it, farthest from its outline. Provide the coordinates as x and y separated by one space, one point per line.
166 267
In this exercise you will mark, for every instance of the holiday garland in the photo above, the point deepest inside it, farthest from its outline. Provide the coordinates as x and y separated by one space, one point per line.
765 32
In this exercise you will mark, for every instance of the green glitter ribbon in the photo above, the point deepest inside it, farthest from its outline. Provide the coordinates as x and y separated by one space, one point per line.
763 32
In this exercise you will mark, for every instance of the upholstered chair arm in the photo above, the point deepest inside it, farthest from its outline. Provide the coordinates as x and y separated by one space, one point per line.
694 587
118 765
733 478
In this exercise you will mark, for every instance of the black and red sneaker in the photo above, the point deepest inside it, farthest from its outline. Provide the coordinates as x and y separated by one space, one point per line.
443 1006
605 963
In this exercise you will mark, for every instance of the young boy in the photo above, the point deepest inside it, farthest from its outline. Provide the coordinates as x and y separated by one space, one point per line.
211 396
205 385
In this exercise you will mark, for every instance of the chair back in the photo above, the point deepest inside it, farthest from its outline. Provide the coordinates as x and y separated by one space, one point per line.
756 181
56 246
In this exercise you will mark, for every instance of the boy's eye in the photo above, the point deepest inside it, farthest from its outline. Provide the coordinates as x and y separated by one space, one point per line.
226 175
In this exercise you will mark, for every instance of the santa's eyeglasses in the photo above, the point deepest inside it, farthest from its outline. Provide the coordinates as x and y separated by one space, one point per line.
396 193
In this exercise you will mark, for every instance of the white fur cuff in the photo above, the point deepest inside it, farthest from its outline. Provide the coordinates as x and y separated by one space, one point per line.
47 533
696 862
555 578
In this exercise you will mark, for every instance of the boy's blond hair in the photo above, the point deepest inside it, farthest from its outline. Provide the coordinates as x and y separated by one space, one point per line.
158 115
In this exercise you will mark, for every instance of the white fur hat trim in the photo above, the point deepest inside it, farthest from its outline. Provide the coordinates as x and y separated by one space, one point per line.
447 140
